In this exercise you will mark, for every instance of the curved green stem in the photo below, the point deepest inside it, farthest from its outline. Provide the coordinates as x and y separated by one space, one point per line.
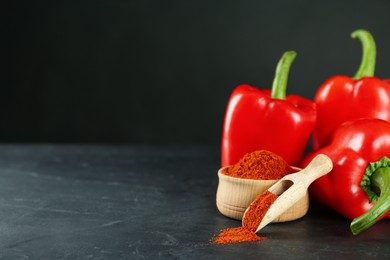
380 183
367 65
279 84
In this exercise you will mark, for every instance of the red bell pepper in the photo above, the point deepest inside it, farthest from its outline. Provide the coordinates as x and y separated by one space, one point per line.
358 186
342 99
262 119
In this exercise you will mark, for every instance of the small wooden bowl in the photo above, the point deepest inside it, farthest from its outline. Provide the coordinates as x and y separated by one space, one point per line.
234 195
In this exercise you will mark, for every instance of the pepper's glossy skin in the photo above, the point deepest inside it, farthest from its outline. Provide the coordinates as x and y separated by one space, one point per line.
255 121
352 146
342 99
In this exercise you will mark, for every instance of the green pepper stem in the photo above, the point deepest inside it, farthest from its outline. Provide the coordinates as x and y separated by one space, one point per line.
367 65
380 183
279 84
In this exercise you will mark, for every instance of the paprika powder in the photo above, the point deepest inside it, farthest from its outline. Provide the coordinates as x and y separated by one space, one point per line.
251 221
236 235
257 210
263 165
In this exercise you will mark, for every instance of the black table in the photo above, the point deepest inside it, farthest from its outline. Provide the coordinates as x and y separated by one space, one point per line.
143 202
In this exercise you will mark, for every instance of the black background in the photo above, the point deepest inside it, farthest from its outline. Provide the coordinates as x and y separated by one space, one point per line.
161 72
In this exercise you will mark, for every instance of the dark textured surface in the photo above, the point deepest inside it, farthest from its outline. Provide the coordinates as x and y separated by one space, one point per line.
120 202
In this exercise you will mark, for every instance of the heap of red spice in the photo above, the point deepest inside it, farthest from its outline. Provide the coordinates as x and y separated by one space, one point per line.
236 235
258 209
259 165
251 221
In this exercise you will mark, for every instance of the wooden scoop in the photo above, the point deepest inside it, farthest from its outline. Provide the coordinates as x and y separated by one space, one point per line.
293 187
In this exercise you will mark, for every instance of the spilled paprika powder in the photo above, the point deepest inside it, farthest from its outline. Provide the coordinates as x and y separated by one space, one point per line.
250 222
262 164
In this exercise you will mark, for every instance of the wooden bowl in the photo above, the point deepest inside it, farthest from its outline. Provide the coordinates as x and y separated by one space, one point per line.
235 194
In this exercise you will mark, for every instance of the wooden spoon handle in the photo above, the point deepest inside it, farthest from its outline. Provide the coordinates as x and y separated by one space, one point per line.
318 167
